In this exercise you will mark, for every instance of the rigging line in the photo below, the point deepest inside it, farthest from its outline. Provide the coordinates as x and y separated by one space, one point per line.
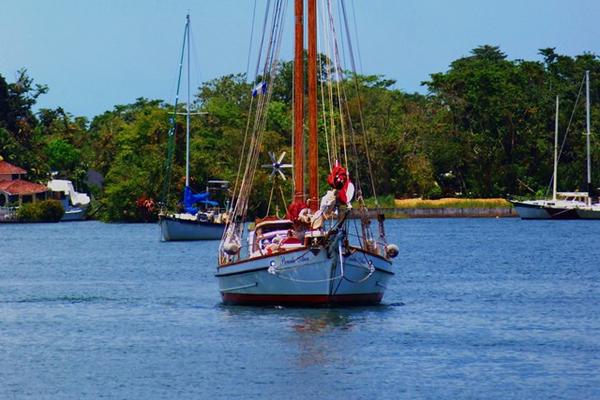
270 198
320 66
330 77
352 139
572 115
195 58
272 75
343 104
339 75
568 127
248 123
360 109
360 243
246 131
172 129
259 121
282 197
356 37
249 119
271 68
250 41
341 27
350 124
272 38
262 40
331 153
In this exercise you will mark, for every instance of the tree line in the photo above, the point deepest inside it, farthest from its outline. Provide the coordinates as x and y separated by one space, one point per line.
485 128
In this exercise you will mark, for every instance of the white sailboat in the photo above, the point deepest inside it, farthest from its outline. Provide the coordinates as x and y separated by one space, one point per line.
565 205
311 256
206 222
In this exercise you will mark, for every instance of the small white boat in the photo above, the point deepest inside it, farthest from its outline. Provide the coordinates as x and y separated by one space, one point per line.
74 203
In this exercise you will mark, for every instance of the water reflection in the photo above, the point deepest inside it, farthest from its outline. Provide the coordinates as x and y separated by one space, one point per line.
323 321
316 336
313 336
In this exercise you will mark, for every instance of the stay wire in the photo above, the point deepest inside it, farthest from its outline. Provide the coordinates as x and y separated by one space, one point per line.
172 130
250 41
360 109
356 36
249 119
562 145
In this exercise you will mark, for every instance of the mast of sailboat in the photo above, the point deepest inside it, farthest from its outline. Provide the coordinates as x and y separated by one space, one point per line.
313 186
187 116
555 152
299 102
587 120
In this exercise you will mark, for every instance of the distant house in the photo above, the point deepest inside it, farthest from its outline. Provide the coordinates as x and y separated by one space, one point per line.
14 190
9 172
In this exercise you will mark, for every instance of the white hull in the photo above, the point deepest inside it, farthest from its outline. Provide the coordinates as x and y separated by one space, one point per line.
531 212
173 229
589 212
306 277
74 214
548 209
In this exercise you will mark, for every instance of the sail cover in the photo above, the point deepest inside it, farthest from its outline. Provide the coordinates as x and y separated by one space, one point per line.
190 199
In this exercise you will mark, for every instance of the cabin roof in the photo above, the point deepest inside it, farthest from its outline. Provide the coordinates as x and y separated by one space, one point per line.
21 187
7 168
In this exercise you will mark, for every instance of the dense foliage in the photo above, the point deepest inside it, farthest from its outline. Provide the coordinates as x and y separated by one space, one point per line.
41 211
485 129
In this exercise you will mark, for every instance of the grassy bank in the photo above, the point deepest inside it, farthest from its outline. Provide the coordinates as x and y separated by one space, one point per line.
452 203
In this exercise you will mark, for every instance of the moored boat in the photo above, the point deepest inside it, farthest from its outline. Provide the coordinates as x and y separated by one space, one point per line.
205 223
74 203
202 218
311 256
565 205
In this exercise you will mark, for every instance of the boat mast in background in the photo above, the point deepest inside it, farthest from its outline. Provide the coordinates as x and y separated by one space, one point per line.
587 118
555 153
187 117
207 223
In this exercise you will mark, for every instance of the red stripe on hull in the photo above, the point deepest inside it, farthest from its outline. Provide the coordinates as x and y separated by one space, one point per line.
312 300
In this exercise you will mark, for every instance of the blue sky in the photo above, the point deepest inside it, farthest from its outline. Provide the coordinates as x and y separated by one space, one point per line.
95 54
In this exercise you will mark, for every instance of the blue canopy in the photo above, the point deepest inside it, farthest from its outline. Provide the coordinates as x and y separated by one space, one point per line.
190 198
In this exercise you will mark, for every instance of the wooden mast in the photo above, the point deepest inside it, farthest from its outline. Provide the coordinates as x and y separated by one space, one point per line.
299 102
313 153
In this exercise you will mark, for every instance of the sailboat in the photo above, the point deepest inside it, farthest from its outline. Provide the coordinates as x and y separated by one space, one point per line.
316 254
565 205
203 222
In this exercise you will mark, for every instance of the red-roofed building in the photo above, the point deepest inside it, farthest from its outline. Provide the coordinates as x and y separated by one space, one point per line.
15 191
10 172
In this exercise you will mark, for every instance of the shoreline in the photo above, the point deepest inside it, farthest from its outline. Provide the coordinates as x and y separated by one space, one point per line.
451 212
449 208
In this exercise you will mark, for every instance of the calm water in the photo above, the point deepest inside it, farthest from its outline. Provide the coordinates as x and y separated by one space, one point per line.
479 308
